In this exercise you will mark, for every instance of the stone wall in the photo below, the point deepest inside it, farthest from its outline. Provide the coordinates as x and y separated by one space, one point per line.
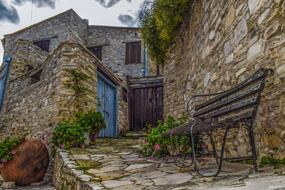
57 29
68 176
113 40
76 57
26 56
221 44
62 28
123 111
30 105
37 106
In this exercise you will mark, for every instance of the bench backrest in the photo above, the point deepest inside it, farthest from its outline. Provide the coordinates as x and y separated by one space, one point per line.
238 104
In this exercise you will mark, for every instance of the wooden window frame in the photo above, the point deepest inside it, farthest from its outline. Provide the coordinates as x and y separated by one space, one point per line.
133 53
91 48
43 44
36 77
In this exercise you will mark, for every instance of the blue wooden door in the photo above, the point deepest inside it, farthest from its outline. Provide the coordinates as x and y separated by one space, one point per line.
4 72
107 105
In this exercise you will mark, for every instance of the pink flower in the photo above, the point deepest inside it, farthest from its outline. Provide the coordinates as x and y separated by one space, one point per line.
157 147
14 152
144 142
61 146
204 146
46 142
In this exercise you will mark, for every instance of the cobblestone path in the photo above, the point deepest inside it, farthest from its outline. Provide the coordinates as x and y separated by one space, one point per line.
49 187
117 164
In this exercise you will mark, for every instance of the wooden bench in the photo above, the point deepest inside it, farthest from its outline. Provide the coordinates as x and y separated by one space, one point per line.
225 110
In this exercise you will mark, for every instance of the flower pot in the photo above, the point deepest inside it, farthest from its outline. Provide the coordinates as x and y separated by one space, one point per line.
29 165
93 136
87 138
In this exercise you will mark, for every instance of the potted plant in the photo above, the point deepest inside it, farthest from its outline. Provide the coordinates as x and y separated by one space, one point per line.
77 132
23 161
91 122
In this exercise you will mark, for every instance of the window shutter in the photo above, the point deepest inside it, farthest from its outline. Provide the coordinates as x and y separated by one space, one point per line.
133 53
43 44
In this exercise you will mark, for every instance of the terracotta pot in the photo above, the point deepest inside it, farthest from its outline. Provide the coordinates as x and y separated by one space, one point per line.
93 136
29 165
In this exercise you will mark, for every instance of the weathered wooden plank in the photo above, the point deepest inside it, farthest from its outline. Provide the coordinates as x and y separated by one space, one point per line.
147 105
259 75
228 100
245 103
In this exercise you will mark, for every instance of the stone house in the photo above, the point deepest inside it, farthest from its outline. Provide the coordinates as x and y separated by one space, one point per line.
36 95
221 44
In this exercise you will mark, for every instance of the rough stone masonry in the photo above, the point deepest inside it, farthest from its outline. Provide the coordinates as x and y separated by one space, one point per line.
35 98
221 44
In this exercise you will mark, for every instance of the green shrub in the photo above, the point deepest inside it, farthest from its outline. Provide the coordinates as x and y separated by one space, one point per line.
67 135
160 20
8 145
90 121
158 145
70 134
270 161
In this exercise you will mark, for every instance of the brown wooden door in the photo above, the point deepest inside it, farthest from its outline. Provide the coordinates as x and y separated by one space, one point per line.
146 102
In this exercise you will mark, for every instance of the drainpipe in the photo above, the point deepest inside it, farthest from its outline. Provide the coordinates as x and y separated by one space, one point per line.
4 68
145 63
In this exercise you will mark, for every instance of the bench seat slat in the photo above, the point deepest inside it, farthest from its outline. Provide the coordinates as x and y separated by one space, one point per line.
243 104
259 75
226 101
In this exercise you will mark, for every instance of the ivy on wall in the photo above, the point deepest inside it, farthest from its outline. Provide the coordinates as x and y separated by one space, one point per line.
160 20
77 82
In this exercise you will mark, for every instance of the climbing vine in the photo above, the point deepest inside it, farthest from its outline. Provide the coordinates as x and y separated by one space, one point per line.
159 21
77 82
77 79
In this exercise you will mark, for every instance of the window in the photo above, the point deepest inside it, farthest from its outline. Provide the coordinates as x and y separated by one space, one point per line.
43 44
97 51
133 52
36 77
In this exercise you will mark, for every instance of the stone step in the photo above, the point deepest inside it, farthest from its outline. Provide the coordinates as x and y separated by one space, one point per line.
135 135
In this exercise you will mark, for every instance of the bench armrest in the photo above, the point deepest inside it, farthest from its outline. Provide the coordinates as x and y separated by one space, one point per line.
201 95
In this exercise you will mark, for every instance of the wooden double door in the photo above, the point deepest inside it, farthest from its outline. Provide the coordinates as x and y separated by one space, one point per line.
145 102
107 105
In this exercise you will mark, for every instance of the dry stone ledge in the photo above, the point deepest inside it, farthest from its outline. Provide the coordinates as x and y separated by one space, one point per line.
68 175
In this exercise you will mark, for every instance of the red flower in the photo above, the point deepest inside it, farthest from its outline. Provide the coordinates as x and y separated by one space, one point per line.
157 147
61 146
46 142
14 152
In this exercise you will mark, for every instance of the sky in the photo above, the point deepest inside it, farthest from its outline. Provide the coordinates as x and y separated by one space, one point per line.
17 14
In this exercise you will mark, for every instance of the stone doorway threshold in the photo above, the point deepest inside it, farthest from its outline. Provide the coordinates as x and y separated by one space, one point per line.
117 164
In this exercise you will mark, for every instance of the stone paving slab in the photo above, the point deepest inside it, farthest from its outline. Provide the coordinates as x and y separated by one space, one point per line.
117 164
49 187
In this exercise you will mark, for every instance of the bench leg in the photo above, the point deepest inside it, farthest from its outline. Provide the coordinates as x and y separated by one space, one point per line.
221 156
214 147
193 148
222 151
253 147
